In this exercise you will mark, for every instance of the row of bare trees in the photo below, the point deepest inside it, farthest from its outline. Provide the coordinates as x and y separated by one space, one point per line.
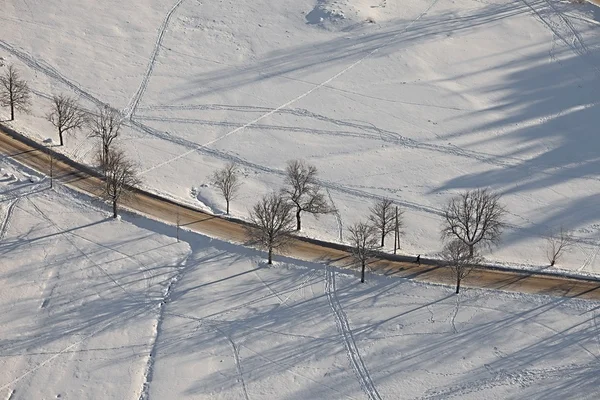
66 114
472 220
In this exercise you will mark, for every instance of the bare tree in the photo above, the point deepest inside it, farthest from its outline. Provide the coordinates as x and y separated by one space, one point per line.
458 257
475 216
121 177
14 92
273 223
227 180
66 115
105 126
383 218
304 191
557 243
363 240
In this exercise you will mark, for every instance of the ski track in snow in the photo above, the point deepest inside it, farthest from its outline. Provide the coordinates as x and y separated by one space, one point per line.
149 370
275 293
383 135
132 106
67 235
343 326
6 222
236 356
49 71
338 216
561 27
298 98
595 327
522 378
456 309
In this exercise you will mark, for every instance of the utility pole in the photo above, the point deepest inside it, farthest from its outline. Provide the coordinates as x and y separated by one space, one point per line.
178 222
396 233
48 143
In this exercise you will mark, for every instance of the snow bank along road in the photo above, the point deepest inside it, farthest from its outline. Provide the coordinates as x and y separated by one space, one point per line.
74 176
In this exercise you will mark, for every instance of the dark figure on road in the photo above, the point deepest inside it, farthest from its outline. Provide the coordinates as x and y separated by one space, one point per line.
418 259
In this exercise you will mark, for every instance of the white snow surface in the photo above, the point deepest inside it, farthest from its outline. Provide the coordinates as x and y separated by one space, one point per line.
96 308
412 100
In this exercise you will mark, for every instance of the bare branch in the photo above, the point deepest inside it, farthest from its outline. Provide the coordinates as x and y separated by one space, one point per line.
556 244
66 115
14 92
227 180
474 217
273 223
363 240
105 126
383 218
459 258
121 177
304 191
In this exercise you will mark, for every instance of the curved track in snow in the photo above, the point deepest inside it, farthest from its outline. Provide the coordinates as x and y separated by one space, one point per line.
343 326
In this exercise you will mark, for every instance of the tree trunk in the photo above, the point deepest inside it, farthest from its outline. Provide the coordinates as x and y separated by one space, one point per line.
270 256
552 262
382 238
60 135
457 284
51 168
115 208
227 201
471 249
12 111
298 223
362 273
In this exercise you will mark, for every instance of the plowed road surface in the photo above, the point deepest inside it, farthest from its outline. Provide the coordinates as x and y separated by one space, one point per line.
233 231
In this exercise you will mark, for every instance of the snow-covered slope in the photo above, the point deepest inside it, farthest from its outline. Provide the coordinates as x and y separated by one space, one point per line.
413 100
96 308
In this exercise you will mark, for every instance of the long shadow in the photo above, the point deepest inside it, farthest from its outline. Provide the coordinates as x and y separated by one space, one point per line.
312 57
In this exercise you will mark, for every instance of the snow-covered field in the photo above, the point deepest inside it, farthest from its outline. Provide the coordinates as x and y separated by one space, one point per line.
95 308
414 100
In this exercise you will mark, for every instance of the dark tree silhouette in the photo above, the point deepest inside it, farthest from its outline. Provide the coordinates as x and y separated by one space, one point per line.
227 180
303 190
475 216
273 224
121 177
363 240
458 257
105 126
66 115
14 92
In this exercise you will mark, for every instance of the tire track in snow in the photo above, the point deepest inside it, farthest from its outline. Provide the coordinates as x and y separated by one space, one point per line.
298 98
133 103
343 326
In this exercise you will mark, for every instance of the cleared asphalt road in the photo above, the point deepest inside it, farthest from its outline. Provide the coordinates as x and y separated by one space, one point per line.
82 179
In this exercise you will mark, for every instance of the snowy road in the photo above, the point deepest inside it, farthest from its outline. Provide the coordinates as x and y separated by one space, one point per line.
214 226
